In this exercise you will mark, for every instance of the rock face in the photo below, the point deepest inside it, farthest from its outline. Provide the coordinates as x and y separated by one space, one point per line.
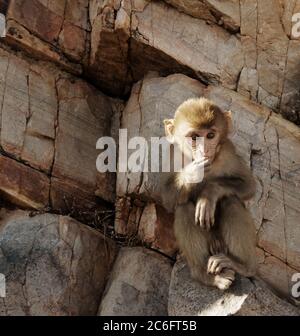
267 143
53 265
260 62
245 298
242 45
138 284
225 13
62 40
145 39
22 185
50 123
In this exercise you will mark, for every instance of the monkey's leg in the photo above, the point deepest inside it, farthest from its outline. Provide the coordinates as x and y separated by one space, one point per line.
194 244
238 232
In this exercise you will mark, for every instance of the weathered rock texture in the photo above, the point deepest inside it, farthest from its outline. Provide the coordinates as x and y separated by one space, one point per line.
138 284
242 45
53 265
245 298
269 144
55 30
261 61
50 123
225 13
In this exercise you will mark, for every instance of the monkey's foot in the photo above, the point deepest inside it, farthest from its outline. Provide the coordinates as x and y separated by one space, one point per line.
224 280
217 263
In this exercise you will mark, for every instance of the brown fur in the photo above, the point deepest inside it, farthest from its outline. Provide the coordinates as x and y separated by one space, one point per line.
214 230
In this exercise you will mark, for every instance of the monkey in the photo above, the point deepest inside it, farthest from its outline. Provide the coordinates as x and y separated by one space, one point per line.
214 230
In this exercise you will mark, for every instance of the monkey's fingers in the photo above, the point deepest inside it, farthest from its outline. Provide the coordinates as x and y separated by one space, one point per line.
223 283
209 264
202 163
202 215
228 274
225 264
197 214
217 261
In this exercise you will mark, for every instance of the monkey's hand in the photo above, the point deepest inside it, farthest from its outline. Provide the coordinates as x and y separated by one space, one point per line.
194 172
205 212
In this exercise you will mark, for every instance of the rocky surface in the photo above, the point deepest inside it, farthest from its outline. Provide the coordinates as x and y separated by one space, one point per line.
62 40
224 13
148 43
22 185
245 298
269 145
259 62
53 265
50 122
146 222
138 284
154 54
240 44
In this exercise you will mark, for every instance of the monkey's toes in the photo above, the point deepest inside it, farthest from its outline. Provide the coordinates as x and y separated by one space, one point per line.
217 263
228 274
222 283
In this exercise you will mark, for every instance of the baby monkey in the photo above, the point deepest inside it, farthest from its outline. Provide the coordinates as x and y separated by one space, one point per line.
214 230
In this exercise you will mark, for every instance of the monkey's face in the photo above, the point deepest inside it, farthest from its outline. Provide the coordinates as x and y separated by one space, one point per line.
199 144
204 144
199 128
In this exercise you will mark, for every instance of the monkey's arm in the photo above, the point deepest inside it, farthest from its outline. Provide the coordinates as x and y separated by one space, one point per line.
176 188
242 186
230 176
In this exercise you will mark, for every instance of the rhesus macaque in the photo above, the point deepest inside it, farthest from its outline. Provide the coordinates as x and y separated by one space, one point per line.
214 230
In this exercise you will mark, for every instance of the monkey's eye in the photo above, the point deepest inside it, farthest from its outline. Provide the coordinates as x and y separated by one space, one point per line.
210 135
194 137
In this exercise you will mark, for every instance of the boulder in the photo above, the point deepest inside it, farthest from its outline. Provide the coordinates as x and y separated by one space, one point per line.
84 115
138 284
50 123
245 298
156 229
53 265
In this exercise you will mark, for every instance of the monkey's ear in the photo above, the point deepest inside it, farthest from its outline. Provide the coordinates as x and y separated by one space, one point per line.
169 129
228 117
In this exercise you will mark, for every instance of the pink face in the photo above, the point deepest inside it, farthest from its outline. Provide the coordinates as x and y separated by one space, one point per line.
203 143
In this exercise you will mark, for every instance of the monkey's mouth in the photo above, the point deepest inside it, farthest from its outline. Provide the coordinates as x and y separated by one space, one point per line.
207 159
